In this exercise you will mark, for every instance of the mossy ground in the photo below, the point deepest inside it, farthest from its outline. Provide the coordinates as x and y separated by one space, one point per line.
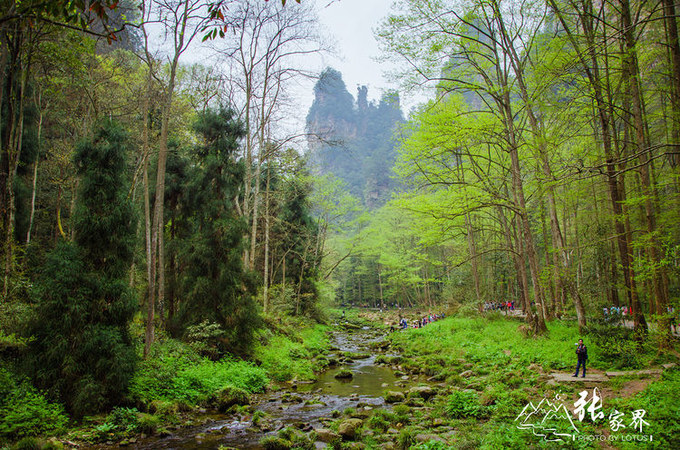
175 383
485 370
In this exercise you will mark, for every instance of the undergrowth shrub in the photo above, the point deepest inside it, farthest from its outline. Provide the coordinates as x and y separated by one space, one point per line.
617 345
659 400
465 404
24 411
286 357
175 372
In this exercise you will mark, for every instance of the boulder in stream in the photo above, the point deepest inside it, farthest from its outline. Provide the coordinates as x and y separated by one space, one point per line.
394 396
344 375
348 428
424 392
230 396
326 435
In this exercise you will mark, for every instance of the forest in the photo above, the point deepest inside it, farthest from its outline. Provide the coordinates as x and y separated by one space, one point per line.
187 261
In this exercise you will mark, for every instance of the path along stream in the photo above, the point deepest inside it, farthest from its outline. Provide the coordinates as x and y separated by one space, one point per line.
305 406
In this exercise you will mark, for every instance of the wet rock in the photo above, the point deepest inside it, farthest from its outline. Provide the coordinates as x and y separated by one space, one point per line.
344 375
291 398
466 374
424 392
394 397
275 443
348 428
384 385
230 396
423 437
438 422
415 402
535 368
405 378
398 373
468 365
326 435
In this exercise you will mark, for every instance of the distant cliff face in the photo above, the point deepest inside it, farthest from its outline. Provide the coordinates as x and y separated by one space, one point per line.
354 140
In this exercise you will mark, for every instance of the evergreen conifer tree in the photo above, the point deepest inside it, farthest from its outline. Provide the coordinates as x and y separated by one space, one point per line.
82 351
214 286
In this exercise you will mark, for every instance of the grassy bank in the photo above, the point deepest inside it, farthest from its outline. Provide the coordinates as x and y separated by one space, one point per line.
175 382
490 371
472 377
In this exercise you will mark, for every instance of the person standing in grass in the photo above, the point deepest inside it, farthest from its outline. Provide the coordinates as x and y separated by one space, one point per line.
582 356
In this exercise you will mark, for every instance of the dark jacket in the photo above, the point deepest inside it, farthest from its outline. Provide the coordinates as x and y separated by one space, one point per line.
582 352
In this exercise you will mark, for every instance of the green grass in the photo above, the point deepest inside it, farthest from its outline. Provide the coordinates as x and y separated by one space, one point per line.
659 400
176 373
482 342
293 355
24 411
483 403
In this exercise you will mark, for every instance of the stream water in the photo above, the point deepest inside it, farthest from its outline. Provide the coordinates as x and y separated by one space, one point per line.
305 406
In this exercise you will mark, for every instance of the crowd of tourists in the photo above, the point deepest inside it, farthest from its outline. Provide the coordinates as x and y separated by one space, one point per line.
418 322
499 306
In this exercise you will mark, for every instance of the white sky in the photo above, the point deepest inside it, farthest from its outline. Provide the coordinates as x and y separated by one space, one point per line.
351 23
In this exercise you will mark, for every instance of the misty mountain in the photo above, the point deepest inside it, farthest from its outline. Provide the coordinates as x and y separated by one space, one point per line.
353 139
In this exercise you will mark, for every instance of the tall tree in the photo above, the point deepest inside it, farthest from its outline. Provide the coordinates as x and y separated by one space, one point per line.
213 284
82 350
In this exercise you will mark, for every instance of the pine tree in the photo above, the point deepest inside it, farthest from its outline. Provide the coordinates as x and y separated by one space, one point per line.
214 286
82 351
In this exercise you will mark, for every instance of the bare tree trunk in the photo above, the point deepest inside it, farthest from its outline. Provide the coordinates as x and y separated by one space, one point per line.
35 172
631 76
150 262
265 270
16 132
670 22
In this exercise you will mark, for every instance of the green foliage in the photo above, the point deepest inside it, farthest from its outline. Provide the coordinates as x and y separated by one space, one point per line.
26 412
659 400
618 346
213 284
465 404
123 419
291 355
431 445
204 336
123 422
82 350
176 373
504 436
382 420
406 439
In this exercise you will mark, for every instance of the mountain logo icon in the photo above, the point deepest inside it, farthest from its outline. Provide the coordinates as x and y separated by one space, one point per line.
548 420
